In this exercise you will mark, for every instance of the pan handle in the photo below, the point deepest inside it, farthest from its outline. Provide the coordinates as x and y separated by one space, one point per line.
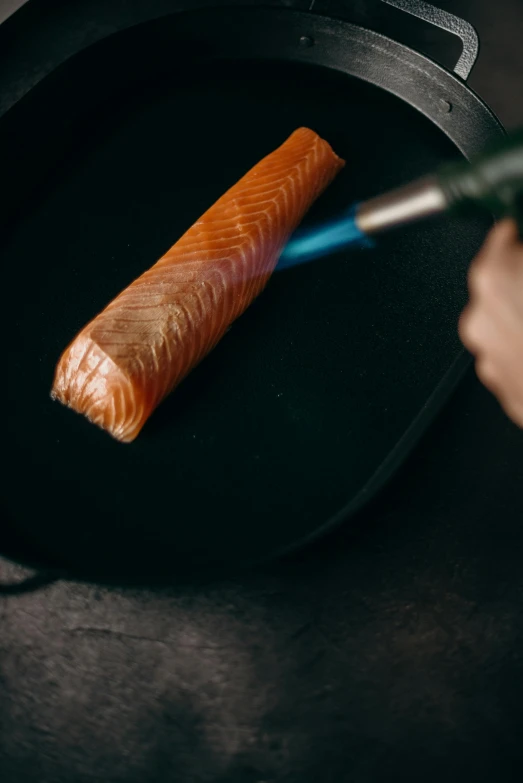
446 21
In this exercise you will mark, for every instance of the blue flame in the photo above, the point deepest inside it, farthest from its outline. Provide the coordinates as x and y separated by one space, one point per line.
311 243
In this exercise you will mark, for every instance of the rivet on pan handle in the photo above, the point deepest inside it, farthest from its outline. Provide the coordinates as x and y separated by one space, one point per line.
450 23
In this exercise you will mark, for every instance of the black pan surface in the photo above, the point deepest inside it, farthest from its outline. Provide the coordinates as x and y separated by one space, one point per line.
304 409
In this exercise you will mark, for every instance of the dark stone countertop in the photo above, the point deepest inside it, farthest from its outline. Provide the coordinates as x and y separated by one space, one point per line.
391 650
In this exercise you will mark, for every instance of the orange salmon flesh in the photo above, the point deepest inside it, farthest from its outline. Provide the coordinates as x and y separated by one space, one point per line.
127 359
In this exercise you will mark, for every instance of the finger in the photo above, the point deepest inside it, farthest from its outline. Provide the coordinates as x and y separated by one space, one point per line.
488 374
464 328
502 237
498 374
477 331
500 249
514 412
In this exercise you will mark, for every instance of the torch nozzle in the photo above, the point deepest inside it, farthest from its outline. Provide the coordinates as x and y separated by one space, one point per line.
411 202
493 181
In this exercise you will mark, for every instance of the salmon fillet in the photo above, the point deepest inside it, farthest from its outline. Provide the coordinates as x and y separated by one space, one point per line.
125 361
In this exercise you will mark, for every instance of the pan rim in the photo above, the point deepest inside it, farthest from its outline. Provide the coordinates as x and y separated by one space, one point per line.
332 24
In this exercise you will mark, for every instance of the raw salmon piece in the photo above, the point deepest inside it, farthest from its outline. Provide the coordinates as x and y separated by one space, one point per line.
126 360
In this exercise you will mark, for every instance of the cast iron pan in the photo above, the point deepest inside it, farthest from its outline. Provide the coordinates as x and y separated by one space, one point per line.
320 391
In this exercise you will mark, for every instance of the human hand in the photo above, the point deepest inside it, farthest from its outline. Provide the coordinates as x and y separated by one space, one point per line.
491 326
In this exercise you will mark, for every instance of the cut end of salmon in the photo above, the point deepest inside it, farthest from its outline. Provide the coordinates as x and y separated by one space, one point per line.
89 382
310 136
133 354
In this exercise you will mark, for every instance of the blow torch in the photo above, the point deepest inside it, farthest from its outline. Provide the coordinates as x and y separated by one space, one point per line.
493 182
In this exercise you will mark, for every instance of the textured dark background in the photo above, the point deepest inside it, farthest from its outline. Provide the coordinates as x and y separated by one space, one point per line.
393 649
